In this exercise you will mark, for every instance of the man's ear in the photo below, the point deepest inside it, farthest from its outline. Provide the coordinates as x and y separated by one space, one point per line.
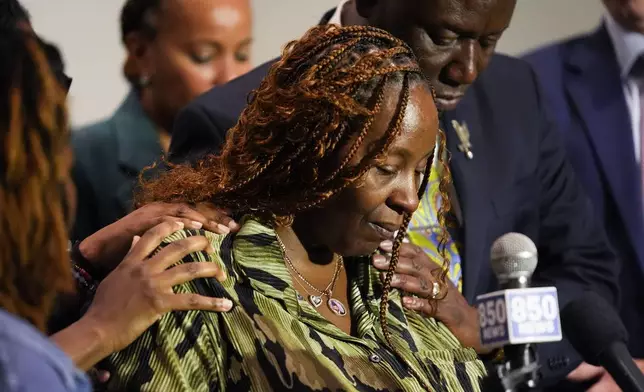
366 8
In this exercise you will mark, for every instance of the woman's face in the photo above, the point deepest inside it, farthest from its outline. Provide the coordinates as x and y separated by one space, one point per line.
359 218
199 44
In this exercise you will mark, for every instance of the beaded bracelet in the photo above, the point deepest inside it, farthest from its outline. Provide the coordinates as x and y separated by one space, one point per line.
86 284
80 260
84 280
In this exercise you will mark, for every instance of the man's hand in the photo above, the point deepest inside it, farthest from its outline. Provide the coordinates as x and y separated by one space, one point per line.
605 383
107 247
414 275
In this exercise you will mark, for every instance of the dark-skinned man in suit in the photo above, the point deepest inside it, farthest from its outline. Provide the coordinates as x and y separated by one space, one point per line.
513 178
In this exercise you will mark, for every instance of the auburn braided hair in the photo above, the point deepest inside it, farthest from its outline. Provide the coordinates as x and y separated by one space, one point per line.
34 168
294 145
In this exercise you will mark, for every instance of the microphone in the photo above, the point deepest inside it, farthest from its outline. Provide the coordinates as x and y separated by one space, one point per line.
517 316
595 330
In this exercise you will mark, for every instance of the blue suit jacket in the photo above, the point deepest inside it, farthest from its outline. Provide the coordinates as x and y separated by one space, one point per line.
518 181
581 83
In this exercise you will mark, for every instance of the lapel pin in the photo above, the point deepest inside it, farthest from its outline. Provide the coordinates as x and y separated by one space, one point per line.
464 137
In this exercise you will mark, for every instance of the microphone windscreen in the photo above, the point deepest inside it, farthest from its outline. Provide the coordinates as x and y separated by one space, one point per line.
592 325
513 255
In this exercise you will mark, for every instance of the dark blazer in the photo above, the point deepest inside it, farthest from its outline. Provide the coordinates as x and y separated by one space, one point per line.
108 158
581 82
518 181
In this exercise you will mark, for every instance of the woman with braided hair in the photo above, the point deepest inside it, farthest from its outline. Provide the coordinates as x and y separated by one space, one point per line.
328 159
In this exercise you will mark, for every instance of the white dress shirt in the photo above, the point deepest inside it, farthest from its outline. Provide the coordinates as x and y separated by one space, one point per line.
337 15
629 46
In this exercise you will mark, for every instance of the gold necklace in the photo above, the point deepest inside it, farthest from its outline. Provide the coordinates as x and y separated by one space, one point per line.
334 304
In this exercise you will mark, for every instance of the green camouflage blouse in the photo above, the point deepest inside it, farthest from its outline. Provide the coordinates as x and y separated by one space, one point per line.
274 340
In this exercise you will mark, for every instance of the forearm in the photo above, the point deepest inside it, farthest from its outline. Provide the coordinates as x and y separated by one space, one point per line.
69 306
83 342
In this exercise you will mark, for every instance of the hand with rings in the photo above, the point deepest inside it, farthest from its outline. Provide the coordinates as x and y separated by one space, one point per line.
416 274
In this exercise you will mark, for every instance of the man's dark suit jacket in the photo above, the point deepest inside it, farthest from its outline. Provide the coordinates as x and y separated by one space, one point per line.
582 85
518 181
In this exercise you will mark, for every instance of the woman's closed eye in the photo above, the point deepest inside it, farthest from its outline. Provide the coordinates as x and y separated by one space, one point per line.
387 170
203 58
242 56
204 53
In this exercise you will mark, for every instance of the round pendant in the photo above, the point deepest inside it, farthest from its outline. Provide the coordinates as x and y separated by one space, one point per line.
336 307
315 300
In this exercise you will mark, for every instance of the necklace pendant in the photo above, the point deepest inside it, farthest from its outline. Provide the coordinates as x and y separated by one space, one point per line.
336 307
315 300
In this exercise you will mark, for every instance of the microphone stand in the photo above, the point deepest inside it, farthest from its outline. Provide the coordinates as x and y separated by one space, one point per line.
500 379
514 376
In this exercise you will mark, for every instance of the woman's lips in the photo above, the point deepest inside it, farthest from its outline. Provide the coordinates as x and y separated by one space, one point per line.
384 231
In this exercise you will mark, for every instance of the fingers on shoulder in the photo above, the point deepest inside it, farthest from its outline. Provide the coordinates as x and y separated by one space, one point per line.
194 245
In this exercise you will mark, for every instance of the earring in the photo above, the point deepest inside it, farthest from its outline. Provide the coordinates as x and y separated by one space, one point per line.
144 81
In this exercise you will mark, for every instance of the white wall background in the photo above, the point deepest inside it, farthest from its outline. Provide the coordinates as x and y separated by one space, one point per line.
87 31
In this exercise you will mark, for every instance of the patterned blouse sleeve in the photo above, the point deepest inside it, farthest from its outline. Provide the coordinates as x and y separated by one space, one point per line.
181 352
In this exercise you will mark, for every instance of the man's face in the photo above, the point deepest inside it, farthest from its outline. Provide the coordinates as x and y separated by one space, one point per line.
628 13
453 39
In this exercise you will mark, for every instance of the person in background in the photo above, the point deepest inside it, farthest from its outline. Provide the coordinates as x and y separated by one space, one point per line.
594 84
509 168
176 50
37 203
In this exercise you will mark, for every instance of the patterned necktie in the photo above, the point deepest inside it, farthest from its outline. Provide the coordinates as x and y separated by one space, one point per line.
424 230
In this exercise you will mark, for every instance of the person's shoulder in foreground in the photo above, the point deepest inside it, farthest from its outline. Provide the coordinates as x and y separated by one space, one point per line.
29 362
274 340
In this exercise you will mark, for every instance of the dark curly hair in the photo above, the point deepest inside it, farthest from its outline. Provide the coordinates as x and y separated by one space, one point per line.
34 264
294 145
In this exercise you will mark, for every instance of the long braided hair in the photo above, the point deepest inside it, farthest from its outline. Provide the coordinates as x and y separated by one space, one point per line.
34 168
293 146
